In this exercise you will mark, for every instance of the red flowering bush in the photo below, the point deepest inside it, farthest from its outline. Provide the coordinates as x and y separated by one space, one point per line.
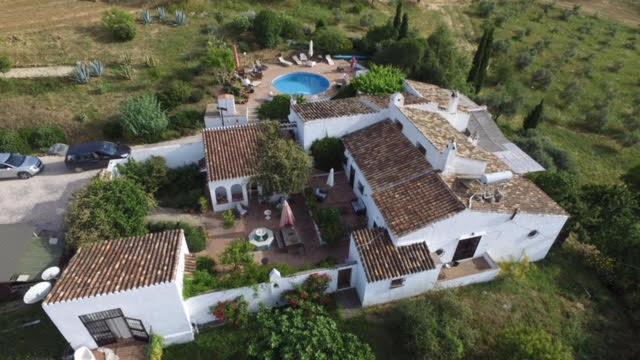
312 290
234 311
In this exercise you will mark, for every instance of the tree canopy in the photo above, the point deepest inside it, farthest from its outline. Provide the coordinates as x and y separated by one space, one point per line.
267 27
283 166
380 80
524 343
107 210
443 64
303 333
534 117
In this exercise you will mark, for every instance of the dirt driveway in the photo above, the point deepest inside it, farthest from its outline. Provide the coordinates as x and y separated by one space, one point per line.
41 200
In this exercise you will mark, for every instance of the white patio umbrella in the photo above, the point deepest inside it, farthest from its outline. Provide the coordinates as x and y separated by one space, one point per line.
287 215
310 48
331 181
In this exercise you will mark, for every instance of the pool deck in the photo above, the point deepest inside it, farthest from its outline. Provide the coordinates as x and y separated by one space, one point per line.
266 90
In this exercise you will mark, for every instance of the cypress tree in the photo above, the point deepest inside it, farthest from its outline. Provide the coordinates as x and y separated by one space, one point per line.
478 71
404 27
397 19
534 117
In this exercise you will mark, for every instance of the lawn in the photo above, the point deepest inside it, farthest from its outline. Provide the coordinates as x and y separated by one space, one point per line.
40 341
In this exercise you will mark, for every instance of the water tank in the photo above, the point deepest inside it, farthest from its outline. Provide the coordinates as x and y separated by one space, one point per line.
496 177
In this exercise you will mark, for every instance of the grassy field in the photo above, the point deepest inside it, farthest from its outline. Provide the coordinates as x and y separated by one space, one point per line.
557 294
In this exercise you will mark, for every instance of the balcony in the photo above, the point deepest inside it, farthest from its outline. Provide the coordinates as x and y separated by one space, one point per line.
469 271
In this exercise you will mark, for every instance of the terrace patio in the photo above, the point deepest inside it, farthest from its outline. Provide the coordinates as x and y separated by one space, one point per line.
314 252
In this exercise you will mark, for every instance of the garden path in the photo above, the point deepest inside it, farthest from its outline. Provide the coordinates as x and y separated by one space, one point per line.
37 72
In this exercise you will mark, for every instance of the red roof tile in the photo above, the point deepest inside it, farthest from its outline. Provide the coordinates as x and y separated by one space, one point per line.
231 152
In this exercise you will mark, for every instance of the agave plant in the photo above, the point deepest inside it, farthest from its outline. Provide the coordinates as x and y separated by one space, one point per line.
127 72
81 74
162 14
181 18
96 67
146 17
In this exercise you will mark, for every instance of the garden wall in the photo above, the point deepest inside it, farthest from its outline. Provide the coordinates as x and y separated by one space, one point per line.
176 153
268 294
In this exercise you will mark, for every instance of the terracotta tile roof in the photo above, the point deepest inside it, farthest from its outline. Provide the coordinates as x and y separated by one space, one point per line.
435 94
231 152
385 155
518 193
119 265
333 108
383 260
416 202
439 132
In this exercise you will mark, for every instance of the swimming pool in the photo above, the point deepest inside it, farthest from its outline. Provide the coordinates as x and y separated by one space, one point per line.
301 83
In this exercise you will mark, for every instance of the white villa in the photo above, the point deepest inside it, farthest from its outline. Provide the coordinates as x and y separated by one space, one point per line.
443 191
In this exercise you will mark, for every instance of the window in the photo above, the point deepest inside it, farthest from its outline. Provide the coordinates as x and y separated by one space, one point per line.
466 248
396 283
533 233
421 149
360 188
399 125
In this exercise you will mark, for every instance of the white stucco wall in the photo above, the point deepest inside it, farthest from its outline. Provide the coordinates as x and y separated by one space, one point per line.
229 120
333 127
177 154
503 238
227 184
267 294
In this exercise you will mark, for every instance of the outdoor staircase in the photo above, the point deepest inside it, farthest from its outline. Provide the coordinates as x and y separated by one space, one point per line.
189 264
252 114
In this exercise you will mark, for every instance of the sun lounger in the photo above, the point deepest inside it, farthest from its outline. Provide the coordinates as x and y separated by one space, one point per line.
310 63
295 58
329 60
303 57
284 62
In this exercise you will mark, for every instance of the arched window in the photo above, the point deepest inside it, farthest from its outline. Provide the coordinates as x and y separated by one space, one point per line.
236 193
221 195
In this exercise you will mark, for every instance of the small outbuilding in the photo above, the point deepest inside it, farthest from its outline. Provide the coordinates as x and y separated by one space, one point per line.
123 289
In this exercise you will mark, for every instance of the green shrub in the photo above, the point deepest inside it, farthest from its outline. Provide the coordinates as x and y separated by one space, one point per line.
332 40
380 80
184 186
526 343
435 327
196 95
120 23
195 236
229 219
150 174
329 221
42 137
291 28
203 201
313 289
240 24
218 56
176 93
156 347
205 263
107 210
276 109
5 64
327 153
234 311
113 130
12 142
143 118
186 121
267 27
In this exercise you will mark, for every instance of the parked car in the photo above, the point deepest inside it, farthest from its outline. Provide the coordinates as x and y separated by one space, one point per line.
94 155
21 166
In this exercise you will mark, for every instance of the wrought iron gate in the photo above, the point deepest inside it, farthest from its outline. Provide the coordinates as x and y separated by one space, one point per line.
96 324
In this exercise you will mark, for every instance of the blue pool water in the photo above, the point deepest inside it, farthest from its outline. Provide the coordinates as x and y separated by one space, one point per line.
301 83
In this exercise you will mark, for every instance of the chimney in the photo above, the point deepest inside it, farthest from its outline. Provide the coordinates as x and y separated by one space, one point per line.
473 139
453 102
396 100
449 155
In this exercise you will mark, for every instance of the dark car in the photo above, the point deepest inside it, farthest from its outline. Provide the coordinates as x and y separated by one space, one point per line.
94 155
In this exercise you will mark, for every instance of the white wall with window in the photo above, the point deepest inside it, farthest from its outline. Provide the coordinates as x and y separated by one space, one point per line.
227 194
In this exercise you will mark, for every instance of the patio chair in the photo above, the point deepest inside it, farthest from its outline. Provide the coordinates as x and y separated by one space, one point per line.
358 207
303 57
260 66
295 58
242 211
329 60
320 194
284 62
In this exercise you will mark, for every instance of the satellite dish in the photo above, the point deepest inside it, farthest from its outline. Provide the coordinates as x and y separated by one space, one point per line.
50 273
37 292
